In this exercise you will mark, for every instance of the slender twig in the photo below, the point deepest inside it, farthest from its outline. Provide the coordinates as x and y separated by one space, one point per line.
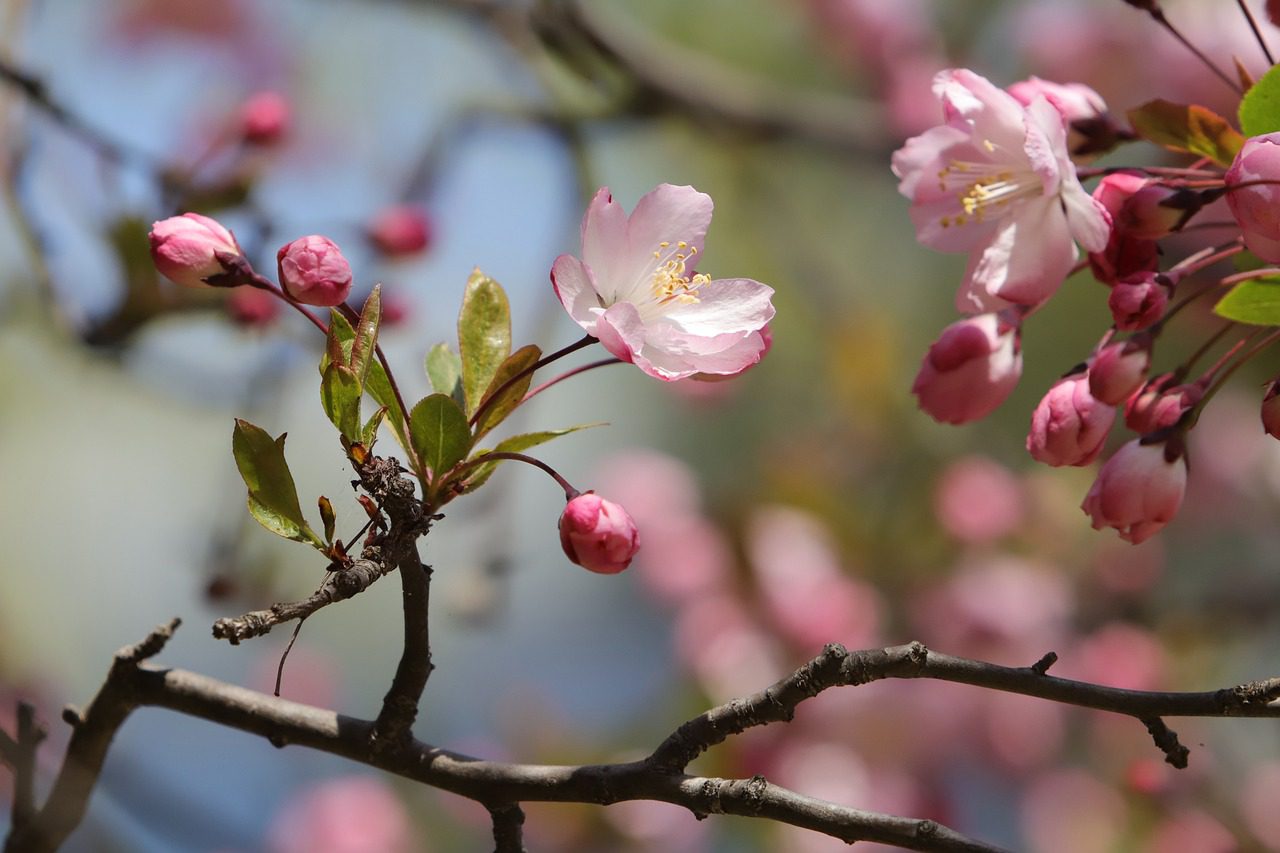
569 491
604 362
491 399
1158 15
284 656
1257 34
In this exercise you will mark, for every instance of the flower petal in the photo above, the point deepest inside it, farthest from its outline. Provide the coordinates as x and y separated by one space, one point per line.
995 116
604 242
666 214
576 290
620 330
724 306
1028 257
923 156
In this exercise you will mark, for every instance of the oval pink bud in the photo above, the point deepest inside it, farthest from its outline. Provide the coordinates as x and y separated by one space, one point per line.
1160 404
264 118
1138 490
1069 426
1138 302
1271 409
598 534
1256 207
400 230
185 248
1117 371
970 370
314 272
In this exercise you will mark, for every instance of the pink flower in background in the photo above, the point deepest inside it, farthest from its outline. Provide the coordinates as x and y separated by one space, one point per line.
970 370
1256 207
996 181
635 288
314 272
978 500
185 248
1069 425
350 814
252 308
1070 811
264 118
598 534
1138 491
400 230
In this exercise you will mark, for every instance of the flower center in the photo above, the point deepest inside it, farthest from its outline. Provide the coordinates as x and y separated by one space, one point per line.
984 187
671 280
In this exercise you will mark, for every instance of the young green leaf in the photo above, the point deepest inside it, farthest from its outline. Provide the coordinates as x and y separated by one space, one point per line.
444 369
369 432
1255 302
1260 106
1189 128
440 432
484 335
328 517
366 333
377 385
340 392
496 408
273 498
515 444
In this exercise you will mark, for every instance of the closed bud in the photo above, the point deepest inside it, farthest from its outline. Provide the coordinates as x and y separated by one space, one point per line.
314 272
1069 425
1160 404
1138 302
185 248
1253 194
598 534
970 370
400 230
1138 490
264 118
1271 409
1119 369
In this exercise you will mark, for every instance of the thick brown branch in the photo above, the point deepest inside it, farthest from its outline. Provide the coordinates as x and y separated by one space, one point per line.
508 828
339 585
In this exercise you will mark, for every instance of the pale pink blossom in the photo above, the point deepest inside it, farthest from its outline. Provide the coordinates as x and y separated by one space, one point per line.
635 288
996 181
313 271
1138 491
264 118
598 534
1069 425
185 248
1118 370
970 370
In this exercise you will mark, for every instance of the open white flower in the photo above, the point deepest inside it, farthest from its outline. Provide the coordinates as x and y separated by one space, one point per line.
996 181
635 288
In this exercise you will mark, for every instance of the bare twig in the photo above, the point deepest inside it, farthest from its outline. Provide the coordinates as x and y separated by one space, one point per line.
508 828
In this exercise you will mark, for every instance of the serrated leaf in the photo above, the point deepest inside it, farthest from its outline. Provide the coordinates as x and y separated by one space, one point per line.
340 392
366 333
1260 106
440 432
376 383
496 408
515 444
328 517
484 335
369 432
444 369
273 498
1189 128
1255 302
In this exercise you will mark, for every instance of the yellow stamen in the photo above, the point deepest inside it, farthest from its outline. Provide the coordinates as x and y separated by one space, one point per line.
671 280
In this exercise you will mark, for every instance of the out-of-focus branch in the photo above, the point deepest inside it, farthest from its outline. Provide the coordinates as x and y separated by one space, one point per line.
503 786
19 753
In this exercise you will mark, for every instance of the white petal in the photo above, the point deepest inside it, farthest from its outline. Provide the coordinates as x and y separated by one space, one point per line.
575 289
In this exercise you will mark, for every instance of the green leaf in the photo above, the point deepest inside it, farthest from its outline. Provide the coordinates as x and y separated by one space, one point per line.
340 392
273 498
1255 302
440 432
504 403
515 444
328 517
1189 128
444 369
484 335
377 385
369 433
1260 106
366 333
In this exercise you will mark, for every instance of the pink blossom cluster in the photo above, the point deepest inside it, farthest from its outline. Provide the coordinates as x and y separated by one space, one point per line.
998 180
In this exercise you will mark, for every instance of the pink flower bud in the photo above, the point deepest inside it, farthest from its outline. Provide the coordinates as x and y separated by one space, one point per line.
1074 101
1160 404
1138 490
1139 301
1142 208
1256 208
264 118
252 308
185 248
969 370
1118 370
598 534
1271 409
1069 426
400 230
1114 190
313 271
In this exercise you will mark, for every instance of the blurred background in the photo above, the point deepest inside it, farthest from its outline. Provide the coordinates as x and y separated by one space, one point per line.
806 502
